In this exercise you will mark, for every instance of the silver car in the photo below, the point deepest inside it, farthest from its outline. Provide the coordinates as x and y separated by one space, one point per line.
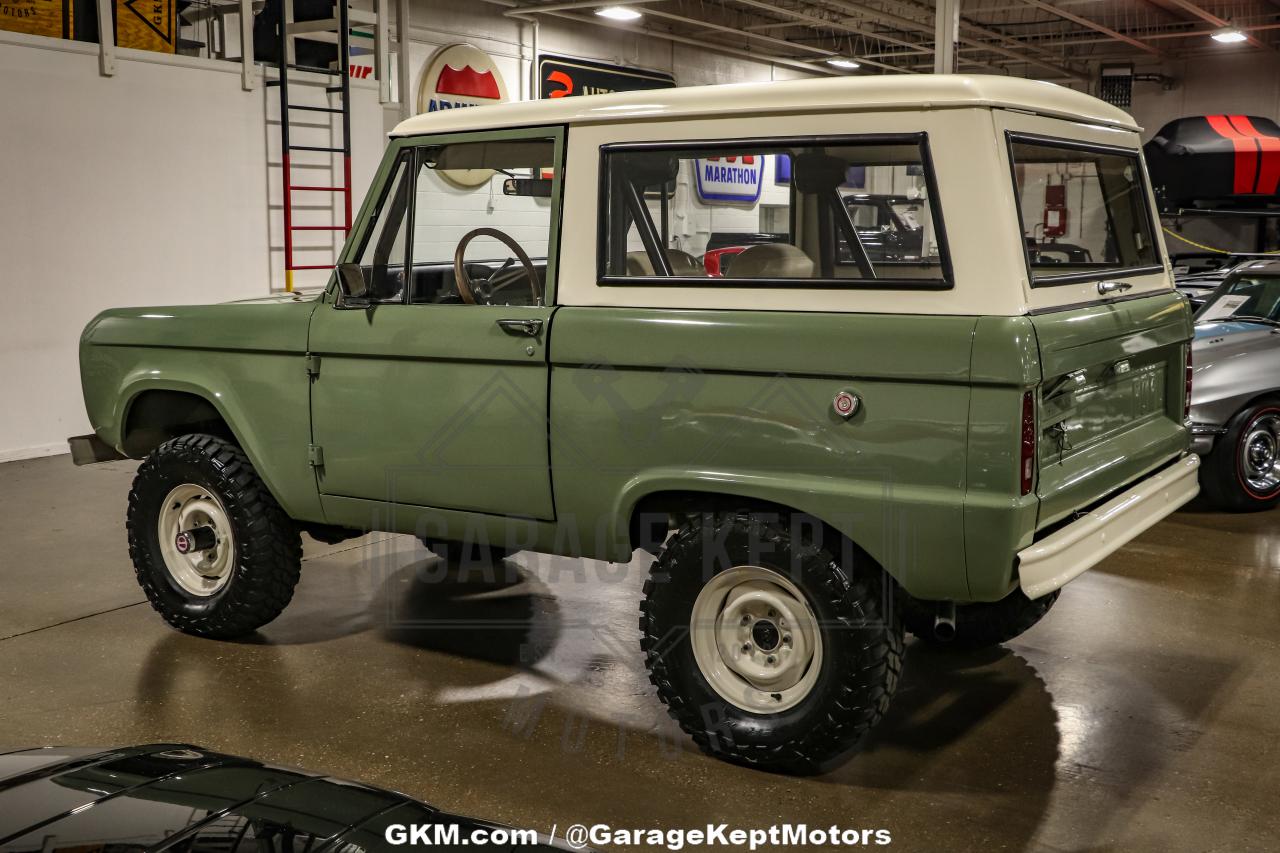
1235 397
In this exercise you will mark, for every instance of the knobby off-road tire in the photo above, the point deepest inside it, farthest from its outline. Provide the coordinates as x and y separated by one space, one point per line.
203 480
845 689
1230 472
978 625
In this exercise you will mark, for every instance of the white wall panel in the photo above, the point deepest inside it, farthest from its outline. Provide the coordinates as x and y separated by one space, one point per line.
151 187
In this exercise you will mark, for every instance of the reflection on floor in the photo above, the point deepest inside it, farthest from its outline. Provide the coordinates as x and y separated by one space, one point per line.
1139 716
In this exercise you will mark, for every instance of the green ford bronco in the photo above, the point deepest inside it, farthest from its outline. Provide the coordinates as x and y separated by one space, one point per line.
836 438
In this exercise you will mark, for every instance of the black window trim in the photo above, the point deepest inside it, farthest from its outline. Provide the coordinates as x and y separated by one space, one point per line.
1105 272
920 139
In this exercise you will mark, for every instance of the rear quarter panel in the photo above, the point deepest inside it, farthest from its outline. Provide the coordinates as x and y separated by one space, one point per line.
740 403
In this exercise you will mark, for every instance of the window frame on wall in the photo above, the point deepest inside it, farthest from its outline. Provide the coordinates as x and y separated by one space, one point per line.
409 148
1103 270
920 139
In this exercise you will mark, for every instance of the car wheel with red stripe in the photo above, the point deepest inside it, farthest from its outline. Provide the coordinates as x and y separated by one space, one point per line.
1242 473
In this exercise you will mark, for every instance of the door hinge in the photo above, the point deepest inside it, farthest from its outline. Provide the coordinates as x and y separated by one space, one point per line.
315 455
313 365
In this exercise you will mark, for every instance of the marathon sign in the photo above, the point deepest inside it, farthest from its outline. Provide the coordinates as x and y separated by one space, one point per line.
731 178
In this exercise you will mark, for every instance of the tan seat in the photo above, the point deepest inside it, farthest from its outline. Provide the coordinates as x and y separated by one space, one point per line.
772 260
682 264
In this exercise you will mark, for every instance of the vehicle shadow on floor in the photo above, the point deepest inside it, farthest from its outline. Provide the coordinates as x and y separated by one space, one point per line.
497 613
950 711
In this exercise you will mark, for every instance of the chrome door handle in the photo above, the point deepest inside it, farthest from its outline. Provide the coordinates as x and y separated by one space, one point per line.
528 328
1109 287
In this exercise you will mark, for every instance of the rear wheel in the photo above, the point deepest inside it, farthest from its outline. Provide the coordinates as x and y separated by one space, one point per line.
1242 472
766 649
213 551
977 625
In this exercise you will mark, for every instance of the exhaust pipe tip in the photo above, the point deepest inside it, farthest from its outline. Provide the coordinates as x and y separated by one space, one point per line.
944 623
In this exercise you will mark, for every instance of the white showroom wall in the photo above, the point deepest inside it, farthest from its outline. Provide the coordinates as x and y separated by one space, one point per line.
154 186
149 187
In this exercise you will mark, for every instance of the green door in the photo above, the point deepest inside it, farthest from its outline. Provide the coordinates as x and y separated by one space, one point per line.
432 390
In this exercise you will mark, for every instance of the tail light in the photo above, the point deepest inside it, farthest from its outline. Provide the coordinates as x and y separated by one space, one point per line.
1186 403
1027 461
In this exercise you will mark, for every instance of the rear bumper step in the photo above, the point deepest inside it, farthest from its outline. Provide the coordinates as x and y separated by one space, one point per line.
1070 552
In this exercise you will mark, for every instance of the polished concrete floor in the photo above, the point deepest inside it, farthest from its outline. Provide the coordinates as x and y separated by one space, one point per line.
1142 715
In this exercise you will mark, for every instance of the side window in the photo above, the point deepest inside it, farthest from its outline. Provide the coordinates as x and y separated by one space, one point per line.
383 256
849 211
1084 210
482 222
464 223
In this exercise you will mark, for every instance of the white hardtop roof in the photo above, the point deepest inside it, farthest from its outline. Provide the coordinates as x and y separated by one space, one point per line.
832 94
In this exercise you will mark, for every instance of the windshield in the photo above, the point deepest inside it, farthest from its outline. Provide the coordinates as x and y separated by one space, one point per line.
1254 297
1084 210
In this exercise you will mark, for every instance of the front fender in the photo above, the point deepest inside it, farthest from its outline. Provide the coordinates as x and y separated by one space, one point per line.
263 398
914 532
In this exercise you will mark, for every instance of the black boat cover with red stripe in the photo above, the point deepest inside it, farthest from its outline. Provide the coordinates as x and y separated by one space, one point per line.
1218 160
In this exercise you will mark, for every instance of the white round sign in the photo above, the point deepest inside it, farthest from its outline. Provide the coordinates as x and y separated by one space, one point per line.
456 77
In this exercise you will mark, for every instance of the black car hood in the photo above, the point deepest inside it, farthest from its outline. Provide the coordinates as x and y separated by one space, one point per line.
187 799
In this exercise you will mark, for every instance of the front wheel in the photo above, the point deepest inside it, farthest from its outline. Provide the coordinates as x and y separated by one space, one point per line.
767 649
1242 472
213 551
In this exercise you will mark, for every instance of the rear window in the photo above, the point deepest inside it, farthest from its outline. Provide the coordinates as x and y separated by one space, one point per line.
841 212
1084 210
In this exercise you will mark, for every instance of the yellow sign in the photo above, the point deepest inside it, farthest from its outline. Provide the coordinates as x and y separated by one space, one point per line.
147 24
37 17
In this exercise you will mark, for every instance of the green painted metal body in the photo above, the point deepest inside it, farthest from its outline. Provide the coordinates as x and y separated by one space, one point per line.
244 358
432 420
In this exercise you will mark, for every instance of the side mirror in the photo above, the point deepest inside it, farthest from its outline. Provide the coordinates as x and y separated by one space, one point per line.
351 281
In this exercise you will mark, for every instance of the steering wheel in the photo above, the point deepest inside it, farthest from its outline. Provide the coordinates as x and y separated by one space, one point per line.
469 289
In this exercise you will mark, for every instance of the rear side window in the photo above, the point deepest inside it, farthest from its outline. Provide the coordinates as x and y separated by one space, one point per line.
839 212
1084 210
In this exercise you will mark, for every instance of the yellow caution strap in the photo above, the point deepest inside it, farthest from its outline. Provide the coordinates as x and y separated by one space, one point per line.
1211 248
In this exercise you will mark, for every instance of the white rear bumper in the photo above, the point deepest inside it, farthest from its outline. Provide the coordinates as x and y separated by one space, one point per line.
1082 544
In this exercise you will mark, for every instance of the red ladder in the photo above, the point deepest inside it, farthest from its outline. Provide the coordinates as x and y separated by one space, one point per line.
343 72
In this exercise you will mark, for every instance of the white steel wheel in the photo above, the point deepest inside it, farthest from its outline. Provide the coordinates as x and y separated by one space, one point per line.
196 540
755 639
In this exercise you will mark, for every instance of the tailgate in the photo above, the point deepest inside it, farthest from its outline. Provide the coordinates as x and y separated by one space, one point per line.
1111 398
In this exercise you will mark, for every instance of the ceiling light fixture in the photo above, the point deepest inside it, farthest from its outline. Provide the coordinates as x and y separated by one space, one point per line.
837 62
619 13
1229 35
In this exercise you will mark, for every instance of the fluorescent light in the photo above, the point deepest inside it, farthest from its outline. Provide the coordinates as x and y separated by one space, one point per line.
619 13
837 62
1229 35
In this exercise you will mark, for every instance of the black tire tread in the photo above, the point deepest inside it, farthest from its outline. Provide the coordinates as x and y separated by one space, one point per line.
859 701
268 543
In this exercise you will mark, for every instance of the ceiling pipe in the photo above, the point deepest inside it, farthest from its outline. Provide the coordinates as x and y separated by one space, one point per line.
1093 25
516 10
819 51
1206 15
927 28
